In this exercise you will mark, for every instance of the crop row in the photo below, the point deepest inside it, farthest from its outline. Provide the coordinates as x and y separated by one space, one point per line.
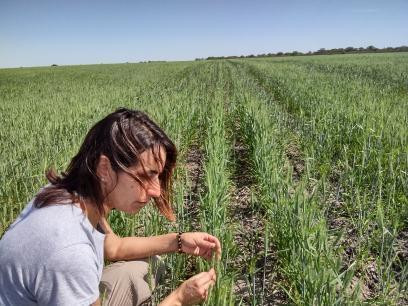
356 182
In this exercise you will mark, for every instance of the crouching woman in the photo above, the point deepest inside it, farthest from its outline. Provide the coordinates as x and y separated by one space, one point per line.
53 254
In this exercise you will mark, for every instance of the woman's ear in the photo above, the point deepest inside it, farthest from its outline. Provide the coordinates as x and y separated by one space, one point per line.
104 171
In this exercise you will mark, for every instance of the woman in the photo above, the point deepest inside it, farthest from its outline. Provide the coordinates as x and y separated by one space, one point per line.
53 253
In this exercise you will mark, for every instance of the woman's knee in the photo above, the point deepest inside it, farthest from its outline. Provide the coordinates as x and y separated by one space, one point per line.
126 282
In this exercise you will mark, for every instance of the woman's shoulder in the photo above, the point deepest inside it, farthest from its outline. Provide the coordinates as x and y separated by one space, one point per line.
55 226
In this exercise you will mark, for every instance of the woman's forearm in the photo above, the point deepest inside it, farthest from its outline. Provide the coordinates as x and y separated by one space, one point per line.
127 248
171 300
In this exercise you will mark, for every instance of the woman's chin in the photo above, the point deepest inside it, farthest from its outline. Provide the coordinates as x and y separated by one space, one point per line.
136 207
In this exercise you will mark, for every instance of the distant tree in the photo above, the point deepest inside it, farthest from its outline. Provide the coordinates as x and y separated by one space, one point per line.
371 48
54 65
336 51
321 51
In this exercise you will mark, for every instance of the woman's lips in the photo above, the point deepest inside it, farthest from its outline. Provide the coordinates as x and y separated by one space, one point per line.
141 203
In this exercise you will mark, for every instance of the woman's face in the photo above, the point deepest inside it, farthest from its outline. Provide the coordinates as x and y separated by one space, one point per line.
128 194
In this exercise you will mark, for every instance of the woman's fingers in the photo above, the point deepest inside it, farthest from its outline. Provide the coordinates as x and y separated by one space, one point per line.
207 255
196 288
206 278
216 245
201 244
213 274
209 245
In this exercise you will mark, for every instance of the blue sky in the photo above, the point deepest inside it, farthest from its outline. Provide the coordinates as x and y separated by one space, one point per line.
38 33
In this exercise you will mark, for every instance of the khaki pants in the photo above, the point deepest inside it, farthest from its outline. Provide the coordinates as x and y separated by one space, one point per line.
129 282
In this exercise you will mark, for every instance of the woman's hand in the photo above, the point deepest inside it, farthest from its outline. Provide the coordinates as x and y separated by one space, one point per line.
200 244
192 291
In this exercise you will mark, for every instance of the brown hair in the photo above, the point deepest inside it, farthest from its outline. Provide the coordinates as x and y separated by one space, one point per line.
121 136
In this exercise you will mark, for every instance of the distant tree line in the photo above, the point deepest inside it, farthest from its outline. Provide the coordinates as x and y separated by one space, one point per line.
322 51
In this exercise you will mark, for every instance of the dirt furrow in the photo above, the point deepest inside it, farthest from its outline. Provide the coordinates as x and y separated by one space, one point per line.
258 281
194 166
195 173
294 155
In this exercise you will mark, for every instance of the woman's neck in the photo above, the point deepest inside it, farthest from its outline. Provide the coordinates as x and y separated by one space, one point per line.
92 213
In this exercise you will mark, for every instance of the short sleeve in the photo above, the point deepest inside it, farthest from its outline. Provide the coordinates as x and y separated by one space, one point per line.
69 277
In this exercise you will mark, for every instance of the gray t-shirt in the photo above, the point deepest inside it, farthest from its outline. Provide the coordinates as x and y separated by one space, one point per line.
51 256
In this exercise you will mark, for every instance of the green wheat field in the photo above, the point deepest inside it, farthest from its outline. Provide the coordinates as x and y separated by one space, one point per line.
298 164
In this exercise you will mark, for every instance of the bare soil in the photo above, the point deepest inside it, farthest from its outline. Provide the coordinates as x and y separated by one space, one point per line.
402 246
258 279
195 173
402 253
294 155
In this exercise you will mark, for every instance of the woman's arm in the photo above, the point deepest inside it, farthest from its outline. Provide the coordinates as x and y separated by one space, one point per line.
117 248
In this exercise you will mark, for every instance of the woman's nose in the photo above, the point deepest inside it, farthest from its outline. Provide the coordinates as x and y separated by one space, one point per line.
154 190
